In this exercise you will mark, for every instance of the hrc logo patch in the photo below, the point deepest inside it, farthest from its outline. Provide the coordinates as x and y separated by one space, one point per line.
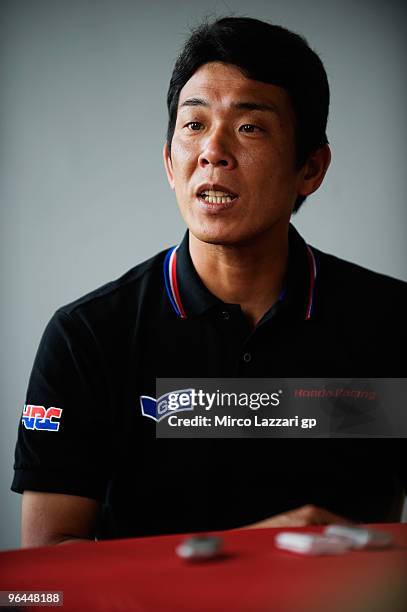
40 418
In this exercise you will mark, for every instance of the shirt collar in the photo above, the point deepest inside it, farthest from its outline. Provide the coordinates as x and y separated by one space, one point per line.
189 296
187 293
302 271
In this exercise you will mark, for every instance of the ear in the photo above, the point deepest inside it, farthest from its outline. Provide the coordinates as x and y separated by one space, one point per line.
168 166
314 170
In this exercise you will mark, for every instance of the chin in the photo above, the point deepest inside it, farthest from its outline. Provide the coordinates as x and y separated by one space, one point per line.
226 236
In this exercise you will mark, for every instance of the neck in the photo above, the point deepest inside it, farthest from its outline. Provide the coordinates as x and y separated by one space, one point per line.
249 274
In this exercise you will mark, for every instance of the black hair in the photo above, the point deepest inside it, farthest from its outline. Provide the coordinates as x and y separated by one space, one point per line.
263 52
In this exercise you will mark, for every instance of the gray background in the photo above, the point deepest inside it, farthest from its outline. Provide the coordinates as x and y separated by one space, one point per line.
83 192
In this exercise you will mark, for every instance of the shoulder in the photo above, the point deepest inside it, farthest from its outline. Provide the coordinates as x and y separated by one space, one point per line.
343 270
130 288
354 286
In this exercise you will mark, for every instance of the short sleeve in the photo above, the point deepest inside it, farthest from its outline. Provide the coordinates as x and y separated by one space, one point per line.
63 437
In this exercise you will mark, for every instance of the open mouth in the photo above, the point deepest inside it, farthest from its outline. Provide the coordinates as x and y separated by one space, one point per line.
216 197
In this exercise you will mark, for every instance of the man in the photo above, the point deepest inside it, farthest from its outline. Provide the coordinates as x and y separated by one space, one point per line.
242 296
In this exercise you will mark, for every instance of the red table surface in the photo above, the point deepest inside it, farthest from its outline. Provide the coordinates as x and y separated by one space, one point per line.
144 574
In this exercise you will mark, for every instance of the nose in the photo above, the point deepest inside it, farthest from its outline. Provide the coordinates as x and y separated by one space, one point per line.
216 151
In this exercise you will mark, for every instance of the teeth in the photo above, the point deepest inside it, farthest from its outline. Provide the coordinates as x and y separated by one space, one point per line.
218 194
216 197
213 200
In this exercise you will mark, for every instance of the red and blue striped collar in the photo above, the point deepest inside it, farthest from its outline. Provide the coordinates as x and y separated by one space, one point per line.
171 282
312 275
196 298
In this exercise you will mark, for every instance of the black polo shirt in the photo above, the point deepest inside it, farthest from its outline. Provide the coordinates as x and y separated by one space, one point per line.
83 433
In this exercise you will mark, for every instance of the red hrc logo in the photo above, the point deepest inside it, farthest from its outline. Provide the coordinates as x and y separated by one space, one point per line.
40 418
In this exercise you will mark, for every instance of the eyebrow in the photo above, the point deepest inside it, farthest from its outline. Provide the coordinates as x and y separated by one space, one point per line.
250 106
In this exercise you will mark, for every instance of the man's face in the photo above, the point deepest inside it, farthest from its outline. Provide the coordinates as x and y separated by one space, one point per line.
236 136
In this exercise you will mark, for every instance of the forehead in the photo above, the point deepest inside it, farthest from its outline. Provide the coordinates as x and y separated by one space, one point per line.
224 84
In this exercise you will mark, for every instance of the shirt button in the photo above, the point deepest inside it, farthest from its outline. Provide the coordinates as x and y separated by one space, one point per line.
225 315
247 357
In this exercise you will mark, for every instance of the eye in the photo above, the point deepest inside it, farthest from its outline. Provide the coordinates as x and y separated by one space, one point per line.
194 126
248 128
